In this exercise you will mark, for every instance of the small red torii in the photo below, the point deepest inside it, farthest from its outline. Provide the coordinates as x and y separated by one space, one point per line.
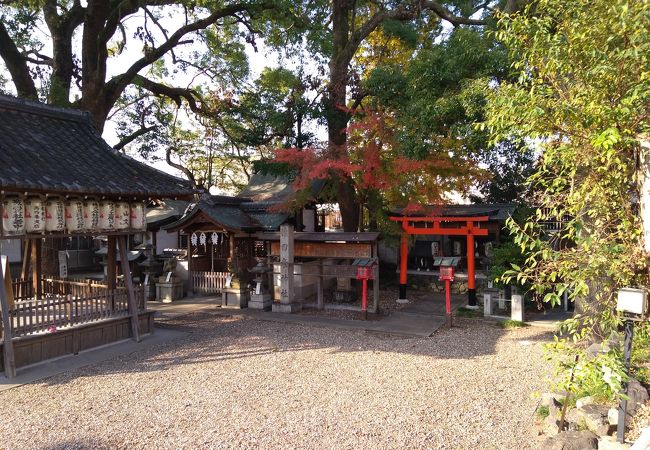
470 229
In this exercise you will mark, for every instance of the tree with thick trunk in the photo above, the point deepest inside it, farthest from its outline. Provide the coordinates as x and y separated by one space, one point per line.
348 33
83 72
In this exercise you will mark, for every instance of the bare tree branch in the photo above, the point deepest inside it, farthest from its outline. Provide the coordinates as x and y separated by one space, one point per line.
117 84
174 93
17 65
133 136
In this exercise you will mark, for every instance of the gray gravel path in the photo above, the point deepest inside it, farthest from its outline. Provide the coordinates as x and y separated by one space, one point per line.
240 383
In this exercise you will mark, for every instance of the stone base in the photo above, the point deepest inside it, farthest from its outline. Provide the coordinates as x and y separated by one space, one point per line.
260 301
286 307
403 301
474 307
168 292
234 298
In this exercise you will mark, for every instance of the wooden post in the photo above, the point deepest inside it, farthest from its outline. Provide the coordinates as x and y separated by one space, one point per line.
27 255
375 281
319 287
126 271
471 277
190 278
8 346
37 285
111 263
403 268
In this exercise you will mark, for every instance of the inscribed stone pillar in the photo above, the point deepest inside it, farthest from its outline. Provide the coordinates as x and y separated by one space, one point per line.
287 302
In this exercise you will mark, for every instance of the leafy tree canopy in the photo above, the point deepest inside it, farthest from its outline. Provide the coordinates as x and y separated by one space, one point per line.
581 96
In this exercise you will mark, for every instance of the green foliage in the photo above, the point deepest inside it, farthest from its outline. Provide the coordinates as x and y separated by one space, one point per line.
640 362
437 97
581 97
464 312
582 375
542 412
507 324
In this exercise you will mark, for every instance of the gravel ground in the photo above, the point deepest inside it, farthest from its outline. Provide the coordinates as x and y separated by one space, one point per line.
240 383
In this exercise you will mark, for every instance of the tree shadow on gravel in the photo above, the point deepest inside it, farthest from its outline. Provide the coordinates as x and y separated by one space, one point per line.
213 338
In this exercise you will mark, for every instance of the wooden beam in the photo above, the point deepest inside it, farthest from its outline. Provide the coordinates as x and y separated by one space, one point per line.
27 254
440 219
327 249
462 231
37 285
133 307
7 343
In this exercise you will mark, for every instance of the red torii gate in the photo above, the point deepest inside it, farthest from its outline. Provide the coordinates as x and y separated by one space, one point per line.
470 229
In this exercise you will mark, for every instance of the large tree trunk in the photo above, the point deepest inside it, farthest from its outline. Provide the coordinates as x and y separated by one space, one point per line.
337 118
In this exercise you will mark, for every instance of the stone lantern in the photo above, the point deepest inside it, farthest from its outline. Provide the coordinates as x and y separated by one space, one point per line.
260 297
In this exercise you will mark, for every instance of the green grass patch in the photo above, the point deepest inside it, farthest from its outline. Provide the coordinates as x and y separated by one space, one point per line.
542 412
464 312
511 324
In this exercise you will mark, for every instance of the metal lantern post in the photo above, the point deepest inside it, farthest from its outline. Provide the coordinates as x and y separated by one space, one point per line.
633 303
365 271
447 275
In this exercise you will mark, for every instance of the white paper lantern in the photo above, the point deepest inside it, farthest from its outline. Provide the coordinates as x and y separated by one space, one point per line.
13 216
54 215
74 215
106 215
122 215
34 215
138 217
91 215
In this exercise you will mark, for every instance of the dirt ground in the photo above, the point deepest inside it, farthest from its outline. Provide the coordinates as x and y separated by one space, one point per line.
233 382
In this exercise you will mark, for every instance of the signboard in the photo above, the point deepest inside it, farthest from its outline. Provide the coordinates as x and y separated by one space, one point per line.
327 249
63 264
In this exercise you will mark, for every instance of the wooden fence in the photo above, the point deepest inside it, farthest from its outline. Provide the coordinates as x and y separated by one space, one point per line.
209 282
68 303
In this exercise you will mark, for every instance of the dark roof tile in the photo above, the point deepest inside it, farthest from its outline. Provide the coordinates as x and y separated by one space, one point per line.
45 148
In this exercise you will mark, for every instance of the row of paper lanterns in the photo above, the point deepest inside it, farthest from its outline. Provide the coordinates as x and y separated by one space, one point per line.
36 215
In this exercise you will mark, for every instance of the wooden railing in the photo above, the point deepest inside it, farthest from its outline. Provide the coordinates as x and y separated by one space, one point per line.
67 303
209 282
22 289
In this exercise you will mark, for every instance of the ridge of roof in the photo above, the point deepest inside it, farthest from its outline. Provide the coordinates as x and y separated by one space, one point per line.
34 107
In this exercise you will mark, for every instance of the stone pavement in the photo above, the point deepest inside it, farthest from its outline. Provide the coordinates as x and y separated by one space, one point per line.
421 318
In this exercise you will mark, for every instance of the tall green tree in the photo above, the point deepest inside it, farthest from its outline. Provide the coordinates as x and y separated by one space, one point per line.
581 97
68 65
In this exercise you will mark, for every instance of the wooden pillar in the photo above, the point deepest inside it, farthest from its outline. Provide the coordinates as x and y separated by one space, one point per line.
471 277
320 300
231 252
403 268
190 280
128 282
37 285
375 281
111 263
7 343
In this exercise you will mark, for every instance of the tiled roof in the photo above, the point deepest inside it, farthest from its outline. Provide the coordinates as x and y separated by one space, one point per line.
495 211
57 150
234 213
275 189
